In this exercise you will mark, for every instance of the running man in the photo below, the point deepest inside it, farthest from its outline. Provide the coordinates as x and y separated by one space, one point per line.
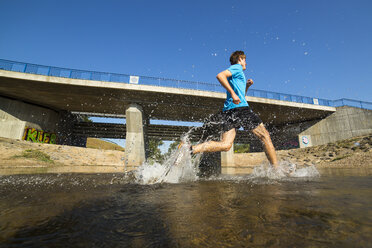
236 112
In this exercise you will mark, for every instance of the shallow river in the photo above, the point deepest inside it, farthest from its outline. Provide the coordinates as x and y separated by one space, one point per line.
108 210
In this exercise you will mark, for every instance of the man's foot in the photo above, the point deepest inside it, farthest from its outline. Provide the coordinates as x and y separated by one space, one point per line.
180 154
181 144
178 159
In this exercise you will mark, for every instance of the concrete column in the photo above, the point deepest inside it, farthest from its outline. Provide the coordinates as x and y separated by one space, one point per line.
135 143
227 161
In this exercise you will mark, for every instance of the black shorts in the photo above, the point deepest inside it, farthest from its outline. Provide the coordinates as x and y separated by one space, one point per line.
221 122
240 117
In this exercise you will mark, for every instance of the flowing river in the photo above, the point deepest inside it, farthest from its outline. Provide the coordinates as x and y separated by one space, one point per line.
333 209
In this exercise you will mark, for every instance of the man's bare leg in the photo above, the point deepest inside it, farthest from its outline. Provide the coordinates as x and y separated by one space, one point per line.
217 146
269 149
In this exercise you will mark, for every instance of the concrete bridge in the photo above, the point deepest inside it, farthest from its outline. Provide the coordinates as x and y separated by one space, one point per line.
43 101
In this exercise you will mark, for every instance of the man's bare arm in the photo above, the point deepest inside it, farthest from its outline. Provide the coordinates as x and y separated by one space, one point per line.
222 78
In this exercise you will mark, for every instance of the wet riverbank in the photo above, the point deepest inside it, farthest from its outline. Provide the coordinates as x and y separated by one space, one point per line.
23 157
351 153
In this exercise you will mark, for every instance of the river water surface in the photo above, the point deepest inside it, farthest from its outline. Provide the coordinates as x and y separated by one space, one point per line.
109 210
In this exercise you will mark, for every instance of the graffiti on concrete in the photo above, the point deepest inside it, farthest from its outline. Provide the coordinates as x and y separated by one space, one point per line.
39 136
291 144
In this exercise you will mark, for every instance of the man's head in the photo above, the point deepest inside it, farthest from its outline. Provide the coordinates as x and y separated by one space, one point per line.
238 57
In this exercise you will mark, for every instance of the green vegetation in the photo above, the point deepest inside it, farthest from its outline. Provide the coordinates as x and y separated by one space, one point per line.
341 157
86 118
241 148
35 154
102 144
172 147
154 152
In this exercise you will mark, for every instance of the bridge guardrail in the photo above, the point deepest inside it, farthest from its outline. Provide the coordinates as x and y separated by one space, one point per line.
165 82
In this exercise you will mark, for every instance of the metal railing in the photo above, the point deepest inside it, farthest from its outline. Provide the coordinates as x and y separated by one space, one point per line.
165 82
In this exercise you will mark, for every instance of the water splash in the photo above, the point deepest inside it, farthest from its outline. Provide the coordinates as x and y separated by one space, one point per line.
181 167
178 167
285 169
309 171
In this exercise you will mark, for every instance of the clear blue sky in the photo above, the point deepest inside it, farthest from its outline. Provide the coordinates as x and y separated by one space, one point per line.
319 48
314 48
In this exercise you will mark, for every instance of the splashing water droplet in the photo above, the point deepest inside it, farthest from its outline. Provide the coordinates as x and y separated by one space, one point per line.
284 170
179 167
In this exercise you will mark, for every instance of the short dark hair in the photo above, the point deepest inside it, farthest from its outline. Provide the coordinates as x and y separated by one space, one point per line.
235 56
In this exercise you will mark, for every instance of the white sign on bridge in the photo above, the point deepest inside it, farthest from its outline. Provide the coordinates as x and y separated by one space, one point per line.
133 79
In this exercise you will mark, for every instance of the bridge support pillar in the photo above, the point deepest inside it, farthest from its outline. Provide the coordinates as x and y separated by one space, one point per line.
135 138
227 161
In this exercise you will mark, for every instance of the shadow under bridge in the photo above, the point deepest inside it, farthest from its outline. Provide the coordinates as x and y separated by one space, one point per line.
163 132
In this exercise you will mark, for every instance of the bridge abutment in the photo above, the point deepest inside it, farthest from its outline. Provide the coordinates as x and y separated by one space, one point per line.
345 123
135 135
26 121
16 116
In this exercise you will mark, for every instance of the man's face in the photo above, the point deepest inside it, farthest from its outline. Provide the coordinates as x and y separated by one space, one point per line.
243 63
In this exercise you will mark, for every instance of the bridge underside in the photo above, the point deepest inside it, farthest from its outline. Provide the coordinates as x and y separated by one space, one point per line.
283 136
163 132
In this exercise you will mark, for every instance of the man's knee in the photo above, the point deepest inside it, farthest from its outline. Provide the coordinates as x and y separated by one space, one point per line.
262 133
228 140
